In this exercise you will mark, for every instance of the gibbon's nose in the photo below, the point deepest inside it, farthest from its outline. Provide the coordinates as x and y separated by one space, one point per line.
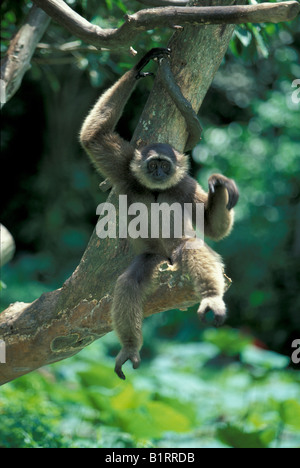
159 174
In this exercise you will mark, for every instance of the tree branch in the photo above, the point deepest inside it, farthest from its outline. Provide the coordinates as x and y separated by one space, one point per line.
22 47
148 19
68 47
160 3
20 51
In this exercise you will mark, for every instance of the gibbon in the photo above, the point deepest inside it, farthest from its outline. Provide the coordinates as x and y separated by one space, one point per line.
156 173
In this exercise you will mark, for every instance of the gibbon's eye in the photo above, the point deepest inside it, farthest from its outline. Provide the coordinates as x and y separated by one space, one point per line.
152 165
166 166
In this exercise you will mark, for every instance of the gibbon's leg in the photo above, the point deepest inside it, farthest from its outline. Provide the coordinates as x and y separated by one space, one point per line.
109 107
205 268
127 308
223 195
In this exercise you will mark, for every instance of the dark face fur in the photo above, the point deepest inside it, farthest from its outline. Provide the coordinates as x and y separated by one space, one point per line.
159 166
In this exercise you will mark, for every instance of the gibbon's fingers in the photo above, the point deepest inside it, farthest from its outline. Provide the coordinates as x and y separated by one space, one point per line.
233 193
211 187
218 321
217 306
218 180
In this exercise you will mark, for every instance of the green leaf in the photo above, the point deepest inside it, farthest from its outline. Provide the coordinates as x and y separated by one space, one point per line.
244 36
99 375
109 4
152 420
121 6
229 341
129 398
290 413
238 438
258 298
260 43
264 359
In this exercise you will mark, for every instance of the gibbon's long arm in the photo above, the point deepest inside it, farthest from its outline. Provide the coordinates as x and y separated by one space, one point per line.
108 151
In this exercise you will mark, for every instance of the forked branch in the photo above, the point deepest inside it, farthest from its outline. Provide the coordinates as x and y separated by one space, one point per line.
170 16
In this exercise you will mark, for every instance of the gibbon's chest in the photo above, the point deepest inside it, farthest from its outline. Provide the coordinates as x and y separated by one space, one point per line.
154 216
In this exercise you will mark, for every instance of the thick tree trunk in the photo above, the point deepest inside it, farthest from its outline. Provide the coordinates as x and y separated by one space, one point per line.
62 322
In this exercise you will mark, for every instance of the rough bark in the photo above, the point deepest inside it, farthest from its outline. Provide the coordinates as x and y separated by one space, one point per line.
160 3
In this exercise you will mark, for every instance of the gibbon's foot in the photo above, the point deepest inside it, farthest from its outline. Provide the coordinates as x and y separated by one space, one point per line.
124 355
218 180
217 306
143 75
155 53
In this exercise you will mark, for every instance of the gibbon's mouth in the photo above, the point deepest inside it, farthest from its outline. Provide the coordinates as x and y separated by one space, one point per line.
159 177
158 183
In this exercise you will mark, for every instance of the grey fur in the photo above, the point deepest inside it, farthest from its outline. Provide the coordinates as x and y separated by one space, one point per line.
124 165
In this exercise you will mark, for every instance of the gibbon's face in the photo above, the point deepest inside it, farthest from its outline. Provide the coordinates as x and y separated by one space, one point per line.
159 166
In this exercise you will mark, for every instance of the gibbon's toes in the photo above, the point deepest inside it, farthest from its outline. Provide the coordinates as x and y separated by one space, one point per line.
154 54
123 356
143 75
218 180
159 52
218 308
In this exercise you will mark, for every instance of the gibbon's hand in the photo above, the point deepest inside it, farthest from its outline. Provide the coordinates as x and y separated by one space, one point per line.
218 180
155 53
124 355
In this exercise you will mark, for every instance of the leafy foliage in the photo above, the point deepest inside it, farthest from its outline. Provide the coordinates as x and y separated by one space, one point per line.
190 395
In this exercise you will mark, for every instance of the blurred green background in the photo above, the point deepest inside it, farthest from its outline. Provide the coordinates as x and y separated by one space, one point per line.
196 387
